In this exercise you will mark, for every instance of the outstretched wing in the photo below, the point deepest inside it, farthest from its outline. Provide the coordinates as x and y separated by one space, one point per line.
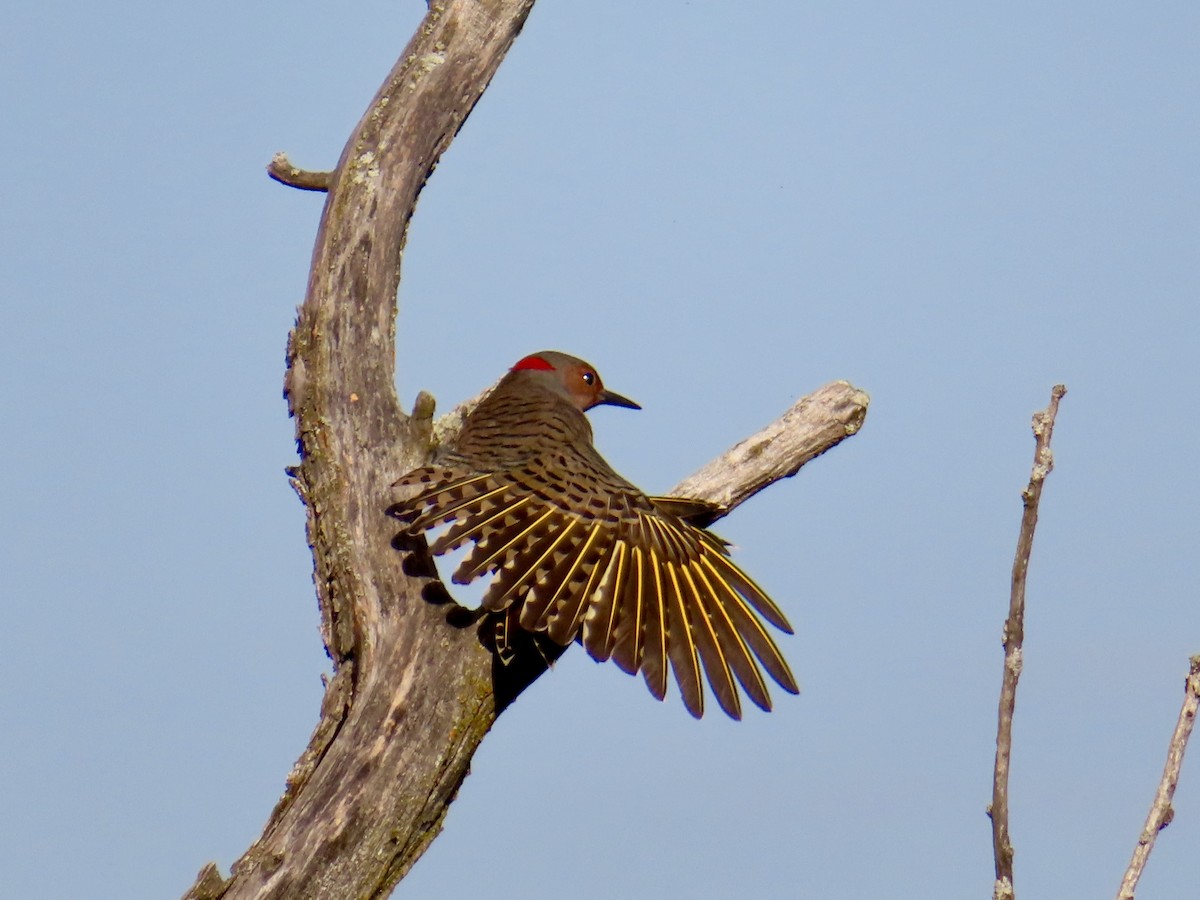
586 556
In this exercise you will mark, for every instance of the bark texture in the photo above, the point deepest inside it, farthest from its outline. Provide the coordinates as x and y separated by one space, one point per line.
414 688
1014 639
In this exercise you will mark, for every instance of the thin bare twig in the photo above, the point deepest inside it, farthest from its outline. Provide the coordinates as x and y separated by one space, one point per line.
1014 636
282 170
1161 811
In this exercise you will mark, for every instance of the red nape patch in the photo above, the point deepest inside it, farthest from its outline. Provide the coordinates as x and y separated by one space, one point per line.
533 362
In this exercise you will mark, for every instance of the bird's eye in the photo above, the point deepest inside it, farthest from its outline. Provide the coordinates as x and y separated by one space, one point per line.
589 378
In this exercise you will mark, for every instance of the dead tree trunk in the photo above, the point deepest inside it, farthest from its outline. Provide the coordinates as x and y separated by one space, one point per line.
414 689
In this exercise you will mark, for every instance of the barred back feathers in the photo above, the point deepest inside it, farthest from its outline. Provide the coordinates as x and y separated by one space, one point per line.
578 553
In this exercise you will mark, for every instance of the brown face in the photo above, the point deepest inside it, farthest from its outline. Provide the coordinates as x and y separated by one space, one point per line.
584 385
588 390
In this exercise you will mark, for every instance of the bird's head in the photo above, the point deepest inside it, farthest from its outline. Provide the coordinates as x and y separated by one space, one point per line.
574 379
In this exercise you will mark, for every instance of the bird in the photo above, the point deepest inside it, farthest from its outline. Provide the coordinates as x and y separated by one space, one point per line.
578 553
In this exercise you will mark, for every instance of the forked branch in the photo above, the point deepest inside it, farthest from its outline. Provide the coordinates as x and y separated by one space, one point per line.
414 687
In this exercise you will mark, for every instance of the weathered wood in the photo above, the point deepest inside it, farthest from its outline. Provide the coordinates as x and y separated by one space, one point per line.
414 688
370 792
812 425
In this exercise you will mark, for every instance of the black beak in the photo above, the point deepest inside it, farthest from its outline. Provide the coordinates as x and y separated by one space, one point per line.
608 397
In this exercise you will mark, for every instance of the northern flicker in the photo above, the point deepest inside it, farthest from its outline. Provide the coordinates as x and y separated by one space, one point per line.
578 553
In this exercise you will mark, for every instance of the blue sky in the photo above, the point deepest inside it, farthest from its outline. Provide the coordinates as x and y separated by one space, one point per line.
722 208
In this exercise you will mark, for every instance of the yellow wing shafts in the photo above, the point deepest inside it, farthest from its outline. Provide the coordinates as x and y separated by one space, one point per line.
628 579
